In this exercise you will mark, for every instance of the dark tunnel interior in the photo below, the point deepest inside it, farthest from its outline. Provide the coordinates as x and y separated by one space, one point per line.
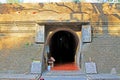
63 47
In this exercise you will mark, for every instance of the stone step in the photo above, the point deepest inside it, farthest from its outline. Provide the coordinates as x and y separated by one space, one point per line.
77 75
82 77
62 73
64 78
16 79
18 76
103 77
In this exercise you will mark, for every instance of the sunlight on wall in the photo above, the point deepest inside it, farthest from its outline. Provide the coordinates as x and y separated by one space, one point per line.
114 30
15 36
114 25
12 42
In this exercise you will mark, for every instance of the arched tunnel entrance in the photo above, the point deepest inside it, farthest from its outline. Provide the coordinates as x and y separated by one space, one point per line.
63 46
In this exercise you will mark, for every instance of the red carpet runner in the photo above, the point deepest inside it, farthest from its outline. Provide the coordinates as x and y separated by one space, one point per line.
67 66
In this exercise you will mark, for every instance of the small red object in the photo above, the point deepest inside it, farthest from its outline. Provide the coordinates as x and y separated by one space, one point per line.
34 12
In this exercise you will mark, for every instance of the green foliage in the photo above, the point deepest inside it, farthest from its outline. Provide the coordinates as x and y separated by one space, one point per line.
13 1
76 0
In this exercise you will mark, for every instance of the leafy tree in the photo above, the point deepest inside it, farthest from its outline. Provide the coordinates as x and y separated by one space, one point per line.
76 0
13 1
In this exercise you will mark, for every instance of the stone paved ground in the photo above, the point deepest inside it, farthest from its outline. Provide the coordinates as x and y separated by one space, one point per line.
77 75
19 76
60 75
